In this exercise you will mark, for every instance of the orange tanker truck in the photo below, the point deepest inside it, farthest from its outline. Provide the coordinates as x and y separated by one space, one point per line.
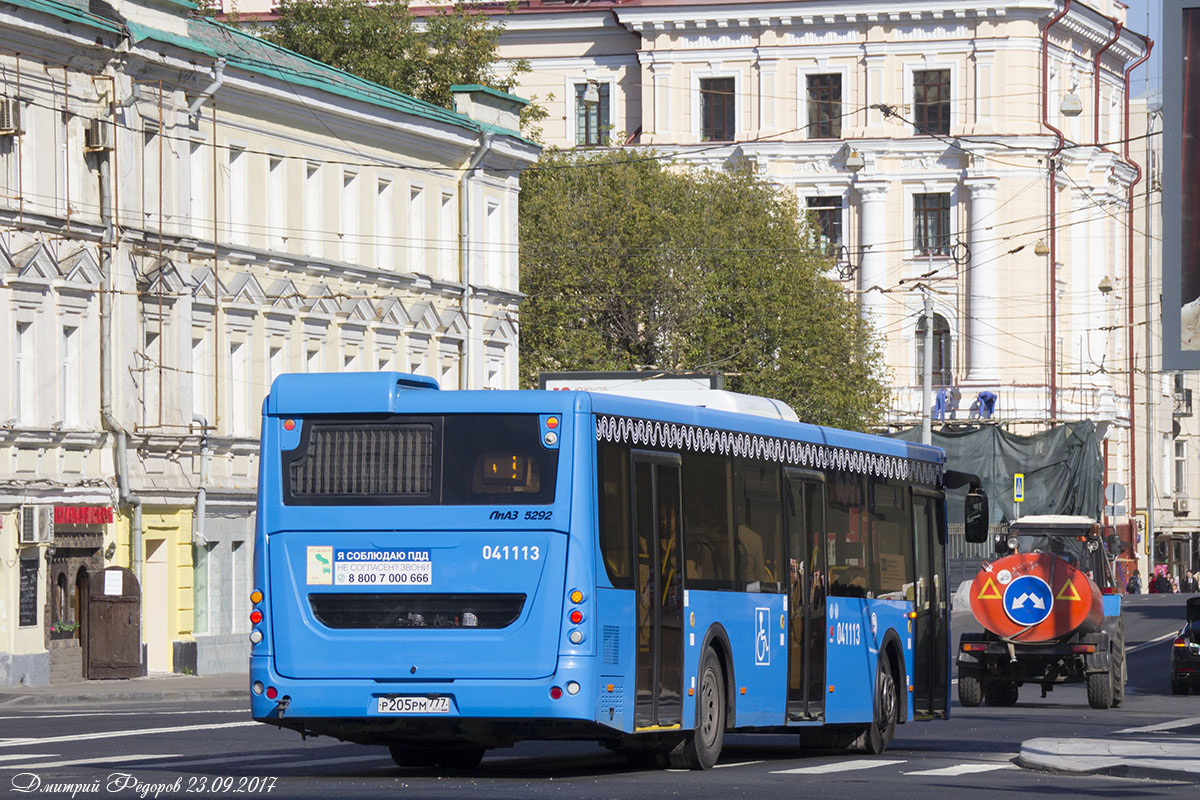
1050 614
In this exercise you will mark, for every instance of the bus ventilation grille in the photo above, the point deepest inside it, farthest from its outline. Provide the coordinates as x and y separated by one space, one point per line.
365 460
612 644
383 611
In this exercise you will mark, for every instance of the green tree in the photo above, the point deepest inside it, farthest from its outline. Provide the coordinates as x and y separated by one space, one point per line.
629 263
384 42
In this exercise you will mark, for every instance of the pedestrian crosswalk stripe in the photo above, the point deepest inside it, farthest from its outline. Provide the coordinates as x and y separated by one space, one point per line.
840 766
963 769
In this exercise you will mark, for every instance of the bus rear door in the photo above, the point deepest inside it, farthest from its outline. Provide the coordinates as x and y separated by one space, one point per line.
657 523
806 594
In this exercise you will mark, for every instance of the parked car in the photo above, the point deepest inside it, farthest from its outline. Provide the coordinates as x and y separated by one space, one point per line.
1185 652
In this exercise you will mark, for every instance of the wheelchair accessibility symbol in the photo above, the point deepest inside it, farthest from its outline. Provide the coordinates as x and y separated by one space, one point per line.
1028 600
762 639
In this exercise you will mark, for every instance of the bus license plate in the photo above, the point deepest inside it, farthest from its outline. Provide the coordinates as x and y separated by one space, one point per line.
414 705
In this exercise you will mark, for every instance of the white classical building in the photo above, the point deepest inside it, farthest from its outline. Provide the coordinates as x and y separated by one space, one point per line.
976 155
185 213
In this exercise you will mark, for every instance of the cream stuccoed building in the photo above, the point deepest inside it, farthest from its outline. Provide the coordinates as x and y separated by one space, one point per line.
975 157
185 213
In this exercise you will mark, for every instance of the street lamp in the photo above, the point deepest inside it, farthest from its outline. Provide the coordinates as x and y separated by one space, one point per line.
854 161
1105 286
1040 249
1070 106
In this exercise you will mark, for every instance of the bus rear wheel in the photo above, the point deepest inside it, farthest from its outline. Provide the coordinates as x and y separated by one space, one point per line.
451 756
875 738
701 746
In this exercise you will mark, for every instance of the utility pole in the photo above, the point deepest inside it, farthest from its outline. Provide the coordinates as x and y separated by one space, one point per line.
927 373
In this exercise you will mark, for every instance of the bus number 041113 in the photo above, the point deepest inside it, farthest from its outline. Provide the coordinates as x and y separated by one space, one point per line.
513 552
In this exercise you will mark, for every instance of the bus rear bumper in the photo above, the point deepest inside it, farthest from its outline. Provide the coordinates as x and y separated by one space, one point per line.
495 712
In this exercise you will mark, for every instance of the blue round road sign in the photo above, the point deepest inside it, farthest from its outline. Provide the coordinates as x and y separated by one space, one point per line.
1027 600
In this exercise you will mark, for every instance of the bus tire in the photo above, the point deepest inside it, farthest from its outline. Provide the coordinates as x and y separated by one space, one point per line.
460 756
701 747
875 738
412 755
970 689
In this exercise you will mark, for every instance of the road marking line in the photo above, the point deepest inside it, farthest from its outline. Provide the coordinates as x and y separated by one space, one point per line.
1163 726
840 766
83 737
67 715
218 760
963 769
19 756
1150 643
118 759
343 760
738 764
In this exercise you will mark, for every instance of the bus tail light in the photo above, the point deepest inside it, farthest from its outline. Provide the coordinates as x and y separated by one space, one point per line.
555 693
1083 648
272 693
974 647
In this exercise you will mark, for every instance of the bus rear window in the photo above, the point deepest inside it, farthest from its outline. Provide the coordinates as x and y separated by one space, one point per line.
467 459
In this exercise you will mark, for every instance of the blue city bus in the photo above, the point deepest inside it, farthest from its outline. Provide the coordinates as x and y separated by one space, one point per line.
445 572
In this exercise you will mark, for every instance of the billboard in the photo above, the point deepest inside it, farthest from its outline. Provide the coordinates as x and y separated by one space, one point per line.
1181 185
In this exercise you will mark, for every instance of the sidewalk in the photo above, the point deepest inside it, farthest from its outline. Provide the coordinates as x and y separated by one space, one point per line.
165 686
1162 752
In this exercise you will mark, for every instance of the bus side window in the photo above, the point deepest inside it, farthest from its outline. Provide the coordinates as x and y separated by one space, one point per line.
707 540
615 536
758 515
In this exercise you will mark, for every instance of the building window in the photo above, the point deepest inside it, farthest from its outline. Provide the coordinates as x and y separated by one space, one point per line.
493 245
200 196
824 106
447 240
825 214
931 101
276 204
72 378
23 391
239 388
200 378
942 374
931 224
312 209
717 109
416 229
384 215
1179 482
236 203
349 217
592 124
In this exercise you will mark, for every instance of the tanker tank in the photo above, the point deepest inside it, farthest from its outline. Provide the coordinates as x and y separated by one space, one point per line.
1050 614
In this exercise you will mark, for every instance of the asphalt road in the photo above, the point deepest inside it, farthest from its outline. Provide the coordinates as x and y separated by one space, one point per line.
212 749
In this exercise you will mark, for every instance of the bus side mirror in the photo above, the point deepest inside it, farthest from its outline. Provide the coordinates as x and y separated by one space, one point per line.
976 517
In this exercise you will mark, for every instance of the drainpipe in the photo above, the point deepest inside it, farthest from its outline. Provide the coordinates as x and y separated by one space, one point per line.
1117 27
1129 291
107 355
1052 227
210 90
464 251
198 536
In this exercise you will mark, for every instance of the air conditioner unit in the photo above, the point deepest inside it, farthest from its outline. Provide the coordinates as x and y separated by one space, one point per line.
37 524
1181 506
10 116
98 135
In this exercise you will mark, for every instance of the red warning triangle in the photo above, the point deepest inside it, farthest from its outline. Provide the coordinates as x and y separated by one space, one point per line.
1063 595
988 586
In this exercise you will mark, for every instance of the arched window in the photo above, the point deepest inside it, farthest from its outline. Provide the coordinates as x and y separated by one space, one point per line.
60 598
943 362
